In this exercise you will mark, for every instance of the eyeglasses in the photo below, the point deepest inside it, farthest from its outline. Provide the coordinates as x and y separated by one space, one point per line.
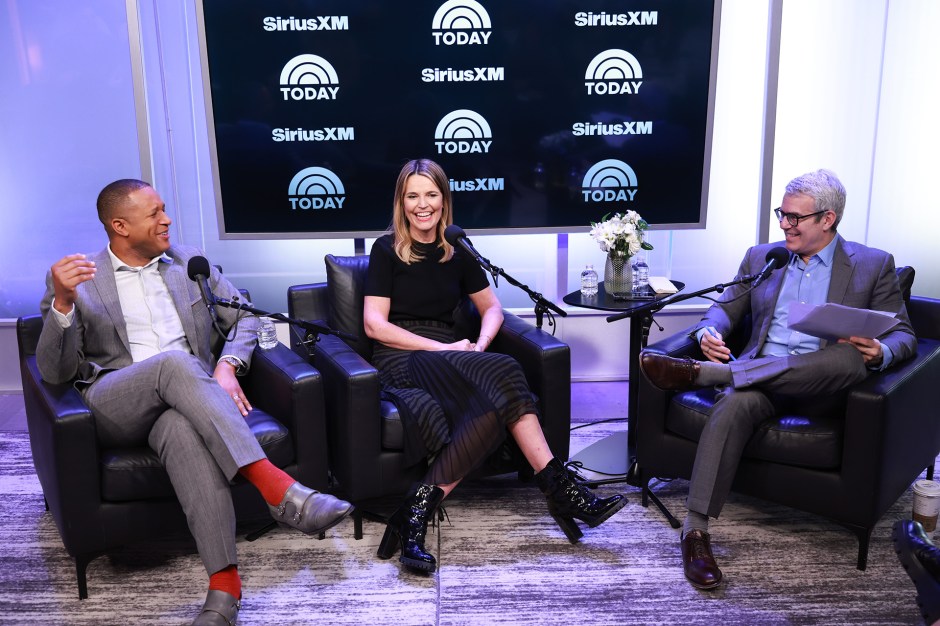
792 218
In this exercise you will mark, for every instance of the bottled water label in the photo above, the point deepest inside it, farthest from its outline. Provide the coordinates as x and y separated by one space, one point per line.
641 276
267 334
589 281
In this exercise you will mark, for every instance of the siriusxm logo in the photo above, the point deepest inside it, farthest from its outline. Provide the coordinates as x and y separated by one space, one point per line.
321 22
343 133
610 180
309 77
477 74
478 184
633 18
592 129
461 23
463 132
316 188
613 72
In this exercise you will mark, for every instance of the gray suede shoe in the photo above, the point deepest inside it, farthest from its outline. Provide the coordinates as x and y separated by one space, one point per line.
310 511
220 609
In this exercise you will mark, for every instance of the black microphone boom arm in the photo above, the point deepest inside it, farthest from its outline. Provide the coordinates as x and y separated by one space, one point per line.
313 329
455 236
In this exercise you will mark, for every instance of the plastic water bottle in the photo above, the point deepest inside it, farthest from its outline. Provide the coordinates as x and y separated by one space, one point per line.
641 275
589 281
267 333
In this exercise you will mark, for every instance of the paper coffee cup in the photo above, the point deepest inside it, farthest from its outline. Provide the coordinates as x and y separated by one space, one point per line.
926 503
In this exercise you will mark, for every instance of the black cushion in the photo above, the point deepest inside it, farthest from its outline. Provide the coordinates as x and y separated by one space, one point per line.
906 280
129 474
345 283
789 439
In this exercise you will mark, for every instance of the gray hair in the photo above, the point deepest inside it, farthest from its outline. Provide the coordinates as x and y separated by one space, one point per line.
826 190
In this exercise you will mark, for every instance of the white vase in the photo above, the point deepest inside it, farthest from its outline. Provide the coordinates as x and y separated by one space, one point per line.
618 276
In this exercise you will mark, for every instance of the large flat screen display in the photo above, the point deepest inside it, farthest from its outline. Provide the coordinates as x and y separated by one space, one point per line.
545 114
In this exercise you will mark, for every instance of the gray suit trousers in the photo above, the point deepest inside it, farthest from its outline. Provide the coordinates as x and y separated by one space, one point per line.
809 383
173 404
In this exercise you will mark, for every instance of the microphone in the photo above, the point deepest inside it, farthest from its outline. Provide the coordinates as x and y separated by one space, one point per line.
455 236
198 270
776 258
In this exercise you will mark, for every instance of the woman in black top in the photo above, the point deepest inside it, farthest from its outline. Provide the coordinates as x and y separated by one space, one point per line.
457 401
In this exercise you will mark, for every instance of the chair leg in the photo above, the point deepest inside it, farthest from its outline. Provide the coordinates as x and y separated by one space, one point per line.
357 524
864 539
81 568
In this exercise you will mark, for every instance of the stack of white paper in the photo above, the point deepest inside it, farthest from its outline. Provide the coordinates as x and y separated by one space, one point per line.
835 321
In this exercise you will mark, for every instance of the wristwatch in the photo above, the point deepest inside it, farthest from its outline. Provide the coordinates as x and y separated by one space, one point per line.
234 362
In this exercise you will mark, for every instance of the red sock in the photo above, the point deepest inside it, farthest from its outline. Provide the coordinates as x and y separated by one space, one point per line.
227 580
268 479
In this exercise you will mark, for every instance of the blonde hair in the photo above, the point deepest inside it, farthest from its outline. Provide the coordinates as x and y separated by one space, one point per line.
401 227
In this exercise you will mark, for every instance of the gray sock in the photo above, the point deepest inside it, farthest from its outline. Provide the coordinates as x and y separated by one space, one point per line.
695 521
711 373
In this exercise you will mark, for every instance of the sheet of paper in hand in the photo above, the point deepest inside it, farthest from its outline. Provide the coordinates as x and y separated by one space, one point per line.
834 321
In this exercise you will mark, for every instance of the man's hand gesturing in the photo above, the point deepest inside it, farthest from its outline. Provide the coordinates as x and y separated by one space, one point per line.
67 274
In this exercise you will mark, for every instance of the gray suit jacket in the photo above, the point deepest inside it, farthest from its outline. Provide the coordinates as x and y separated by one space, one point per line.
862 277
97 340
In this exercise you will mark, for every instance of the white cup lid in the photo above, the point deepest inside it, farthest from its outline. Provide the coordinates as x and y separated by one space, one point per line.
929 488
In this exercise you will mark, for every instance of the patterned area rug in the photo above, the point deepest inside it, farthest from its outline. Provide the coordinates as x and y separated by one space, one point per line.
502 561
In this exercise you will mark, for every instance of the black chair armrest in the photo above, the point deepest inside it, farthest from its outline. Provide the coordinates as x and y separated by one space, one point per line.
891 426
925 316
63 441
678 345
352 388
546 362
288 388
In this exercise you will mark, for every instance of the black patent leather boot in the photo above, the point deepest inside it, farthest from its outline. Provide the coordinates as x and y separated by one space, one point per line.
569 499
408 526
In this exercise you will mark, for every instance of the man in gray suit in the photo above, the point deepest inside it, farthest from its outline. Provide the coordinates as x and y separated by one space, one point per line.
130 328
780 369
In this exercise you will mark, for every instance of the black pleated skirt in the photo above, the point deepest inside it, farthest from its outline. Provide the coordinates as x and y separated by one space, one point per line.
452 399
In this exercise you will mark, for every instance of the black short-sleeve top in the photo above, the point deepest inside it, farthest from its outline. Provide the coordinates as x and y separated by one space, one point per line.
425 289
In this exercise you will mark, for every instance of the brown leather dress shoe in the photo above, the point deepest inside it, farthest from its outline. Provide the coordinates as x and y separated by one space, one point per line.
697 560
669 373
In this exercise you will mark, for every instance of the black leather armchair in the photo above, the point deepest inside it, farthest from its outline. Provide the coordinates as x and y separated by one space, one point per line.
105 498
364 432
849 467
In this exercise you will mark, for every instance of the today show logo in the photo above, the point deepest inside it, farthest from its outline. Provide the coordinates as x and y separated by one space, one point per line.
461 23
463 132
613 72
309 77
316 188
610 180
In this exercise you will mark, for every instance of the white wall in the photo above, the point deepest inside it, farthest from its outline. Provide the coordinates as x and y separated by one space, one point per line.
904 216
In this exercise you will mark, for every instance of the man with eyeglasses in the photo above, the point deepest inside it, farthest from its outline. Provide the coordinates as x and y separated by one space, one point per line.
779 369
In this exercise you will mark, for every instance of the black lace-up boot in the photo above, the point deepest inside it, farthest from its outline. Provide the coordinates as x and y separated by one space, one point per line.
569 499
409 525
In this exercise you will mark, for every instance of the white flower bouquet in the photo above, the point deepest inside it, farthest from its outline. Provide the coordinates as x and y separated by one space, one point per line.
621 235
